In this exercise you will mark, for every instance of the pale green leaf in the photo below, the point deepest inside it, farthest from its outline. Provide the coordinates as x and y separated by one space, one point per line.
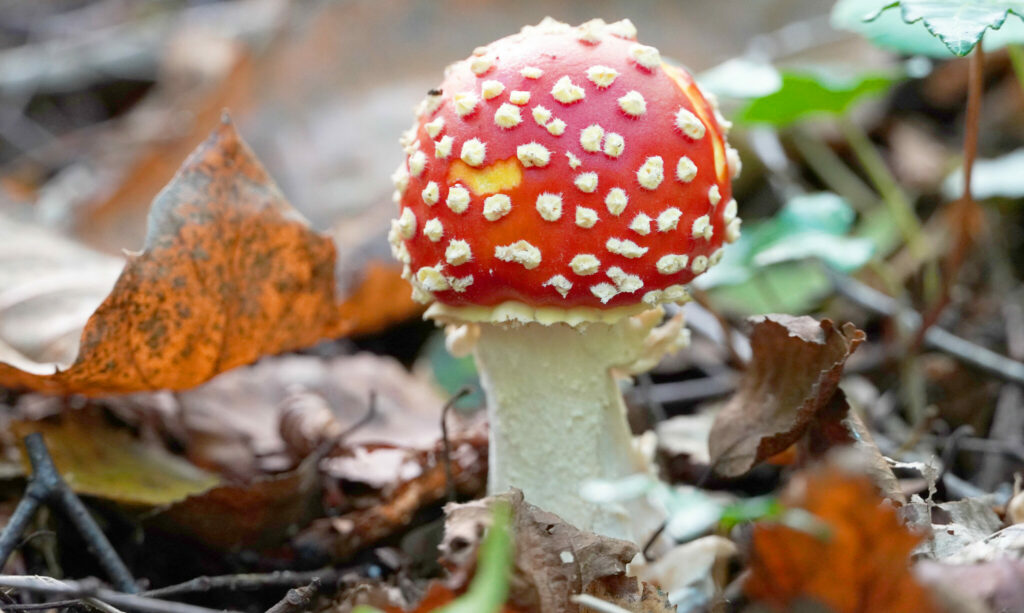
959 24
815 91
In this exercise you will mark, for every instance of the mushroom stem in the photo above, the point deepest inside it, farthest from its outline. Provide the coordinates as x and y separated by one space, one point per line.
557 417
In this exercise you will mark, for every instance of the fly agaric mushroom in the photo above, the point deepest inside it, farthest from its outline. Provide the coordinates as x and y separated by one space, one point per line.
558 187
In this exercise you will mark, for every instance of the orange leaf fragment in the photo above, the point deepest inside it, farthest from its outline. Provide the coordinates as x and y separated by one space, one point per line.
860 564
229 272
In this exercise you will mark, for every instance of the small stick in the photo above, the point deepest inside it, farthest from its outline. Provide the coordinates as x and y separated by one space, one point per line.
247 581
47 486
298 599
449 480
90 590
935 337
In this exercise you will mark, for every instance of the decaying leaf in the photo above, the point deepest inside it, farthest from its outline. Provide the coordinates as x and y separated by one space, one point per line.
951 526
792 376
554 561
630 594
257 514
98 458
338 538
242 414
854 558
836 425
229 272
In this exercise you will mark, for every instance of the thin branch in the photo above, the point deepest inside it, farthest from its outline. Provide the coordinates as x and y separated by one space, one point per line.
248 581
91 590
449 480
298 599
935 337
47 486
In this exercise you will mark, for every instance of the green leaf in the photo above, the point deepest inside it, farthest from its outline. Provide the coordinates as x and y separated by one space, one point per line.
1001 177
959 24
100 459
750 509
489 588
887 30
741 78
811 92
771 267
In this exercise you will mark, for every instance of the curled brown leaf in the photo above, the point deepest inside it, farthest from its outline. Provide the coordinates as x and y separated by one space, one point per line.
792 377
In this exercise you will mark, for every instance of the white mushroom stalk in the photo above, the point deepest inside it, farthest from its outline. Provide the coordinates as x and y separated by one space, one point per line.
557 416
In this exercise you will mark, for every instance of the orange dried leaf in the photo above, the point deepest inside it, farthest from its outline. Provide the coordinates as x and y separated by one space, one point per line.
229 273
860 563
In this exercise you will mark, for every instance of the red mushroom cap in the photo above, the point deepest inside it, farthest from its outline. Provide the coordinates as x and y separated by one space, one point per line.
564 167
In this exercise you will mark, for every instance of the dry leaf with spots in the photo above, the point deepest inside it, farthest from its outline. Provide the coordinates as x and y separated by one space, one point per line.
792 376
854 557
229 273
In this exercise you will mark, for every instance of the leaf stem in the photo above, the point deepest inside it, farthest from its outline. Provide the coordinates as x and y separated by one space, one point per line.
900 207
975 86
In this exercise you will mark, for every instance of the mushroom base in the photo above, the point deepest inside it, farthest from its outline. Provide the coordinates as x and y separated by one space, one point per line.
557 418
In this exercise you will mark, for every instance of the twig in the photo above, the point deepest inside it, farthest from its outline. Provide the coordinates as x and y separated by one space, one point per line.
248 581
91 590
692 390
937 338
449 480
298 599
40 606
646 551
47 486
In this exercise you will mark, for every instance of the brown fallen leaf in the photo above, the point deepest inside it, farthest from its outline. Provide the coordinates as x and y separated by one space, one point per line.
98 458
338 538
631 594
259 411
792 376
554 561
835 425
855 558
229 273
258 514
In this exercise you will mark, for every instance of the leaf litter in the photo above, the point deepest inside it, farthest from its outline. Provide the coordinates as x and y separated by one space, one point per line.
231 449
